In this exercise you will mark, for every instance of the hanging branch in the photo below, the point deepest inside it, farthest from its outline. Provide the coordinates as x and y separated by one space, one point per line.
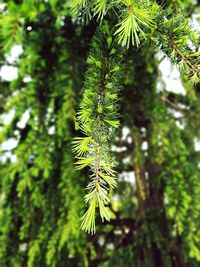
97 118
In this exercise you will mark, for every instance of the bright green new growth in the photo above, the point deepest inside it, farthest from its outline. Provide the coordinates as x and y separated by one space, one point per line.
97 118
136 17
99 9
146 21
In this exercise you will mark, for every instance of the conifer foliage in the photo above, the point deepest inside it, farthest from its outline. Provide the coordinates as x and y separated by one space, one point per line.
97 119
89 117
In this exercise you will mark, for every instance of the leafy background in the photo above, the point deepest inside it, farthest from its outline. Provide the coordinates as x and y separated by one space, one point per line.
154 210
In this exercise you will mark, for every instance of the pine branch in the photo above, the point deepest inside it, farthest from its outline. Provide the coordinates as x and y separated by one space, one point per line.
179 43
97 119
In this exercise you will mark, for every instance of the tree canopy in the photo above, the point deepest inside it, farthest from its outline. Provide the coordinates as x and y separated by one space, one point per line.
104 170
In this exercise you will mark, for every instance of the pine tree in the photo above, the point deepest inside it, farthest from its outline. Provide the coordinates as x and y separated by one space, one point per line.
87 111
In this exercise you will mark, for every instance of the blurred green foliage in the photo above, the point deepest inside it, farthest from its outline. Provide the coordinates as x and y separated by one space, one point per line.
99 59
